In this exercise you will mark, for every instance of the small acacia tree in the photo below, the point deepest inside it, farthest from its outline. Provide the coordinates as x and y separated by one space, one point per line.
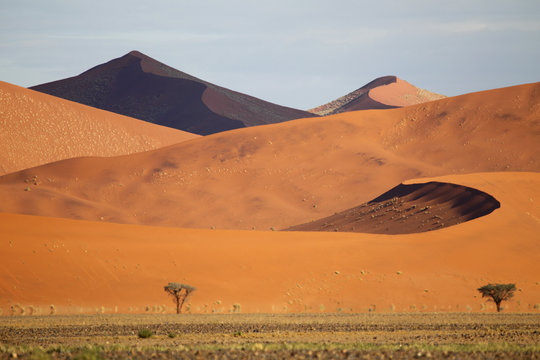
498 293
180 292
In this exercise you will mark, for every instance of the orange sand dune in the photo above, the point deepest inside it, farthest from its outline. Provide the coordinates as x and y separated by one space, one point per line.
408 209
386 92
289 173
81 266
402 93
36 129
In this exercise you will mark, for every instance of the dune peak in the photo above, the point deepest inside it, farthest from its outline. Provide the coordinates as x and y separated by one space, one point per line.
385 92
144 88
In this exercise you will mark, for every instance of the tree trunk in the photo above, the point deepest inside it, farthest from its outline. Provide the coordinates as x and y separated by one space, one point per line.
182 303
178 304
498 303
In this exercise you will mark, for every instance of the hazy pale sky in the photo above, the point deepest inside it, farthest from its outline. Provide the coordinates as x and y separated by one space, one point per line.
295 53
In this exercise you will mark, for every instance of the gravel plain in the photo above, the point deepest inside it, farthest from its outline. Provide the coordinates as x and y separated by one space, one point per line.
243 336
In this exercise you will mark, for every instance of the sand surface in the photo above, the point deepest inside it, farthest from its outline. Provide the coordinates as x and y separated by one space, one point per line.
286 174
386 92
410 208
36 129
138 86
401 93
82 266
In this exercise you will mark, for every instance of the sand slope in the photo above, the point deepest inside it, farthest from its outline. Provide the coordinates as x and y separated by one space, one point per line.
386 92
408 209
141 87
36 129
290 173
81 266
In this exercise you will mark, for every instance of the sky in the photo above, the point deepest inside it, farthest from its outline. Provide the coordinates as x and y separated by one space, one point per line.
296 53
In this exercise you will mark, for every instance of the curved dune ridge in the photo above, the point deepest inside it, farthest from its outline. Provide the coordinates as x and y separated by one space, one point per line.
93 267
386 92
138 86
282 175
401 93
407 209
36 129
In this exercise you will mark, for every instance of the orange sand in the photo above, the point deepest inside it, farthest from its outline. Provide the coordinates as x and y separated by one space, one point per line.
382 93
290 173
402 93
81 266
36 129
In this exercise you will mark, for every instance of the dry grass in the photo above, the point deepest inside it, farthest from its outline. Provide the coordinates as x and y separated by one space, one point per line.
434 335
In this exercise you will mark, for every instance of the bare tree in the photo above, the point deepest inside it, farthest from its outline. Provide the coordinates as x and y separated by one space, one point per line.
180 292
498 292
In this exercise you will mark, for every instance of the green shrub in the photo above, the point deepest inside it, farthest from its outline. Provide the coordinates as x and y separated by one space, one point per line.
145 333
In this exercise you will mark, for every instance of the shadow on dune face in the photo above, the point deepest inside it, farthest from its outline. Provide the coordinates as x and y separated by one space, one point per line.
138 86
407 209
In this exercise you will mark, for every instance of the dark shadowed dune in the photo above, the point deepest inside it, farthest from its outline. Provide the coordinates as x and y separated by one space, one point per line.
143 88
409 209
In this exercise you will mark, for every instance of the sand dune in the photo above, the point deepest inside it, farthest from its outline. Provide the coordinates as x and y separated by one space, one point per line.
408 209
36 129
81 266
291 173
141 87
386 92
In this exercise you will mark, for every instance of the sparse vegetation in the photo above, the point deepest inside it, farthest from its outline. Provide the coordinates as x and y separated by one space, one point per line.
498 293
180 292
375 336
145 333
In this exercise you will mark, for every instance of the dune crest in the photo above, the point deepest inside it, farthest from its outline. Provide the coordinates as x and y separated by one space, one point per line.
138 86
408 209
401 93
386 92
37 129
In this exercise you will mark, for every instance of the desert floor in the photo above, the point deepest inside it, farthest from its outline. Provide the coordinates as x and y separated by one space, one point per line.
239 336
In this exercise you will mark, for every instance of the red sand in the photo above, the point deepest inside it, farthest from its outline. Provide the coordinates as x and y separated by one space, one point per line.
81 266
290 173
408 209
382 93
36 129
402 93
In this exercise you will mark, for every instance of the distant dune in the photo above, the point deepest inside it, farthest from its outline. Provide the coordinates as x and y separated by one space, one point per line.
408 209
68 266
36 129
138 86
286 174
386 92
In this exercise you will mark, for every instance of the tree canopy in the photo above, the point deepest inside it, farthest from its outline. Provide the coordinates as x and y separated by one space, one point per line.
498 293
180 292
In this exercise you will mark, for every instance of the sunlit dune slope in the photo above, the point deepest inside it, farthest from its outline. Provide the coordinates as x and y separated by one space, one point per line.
386 92
401 93
407 209
80 266
290 173
36 129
